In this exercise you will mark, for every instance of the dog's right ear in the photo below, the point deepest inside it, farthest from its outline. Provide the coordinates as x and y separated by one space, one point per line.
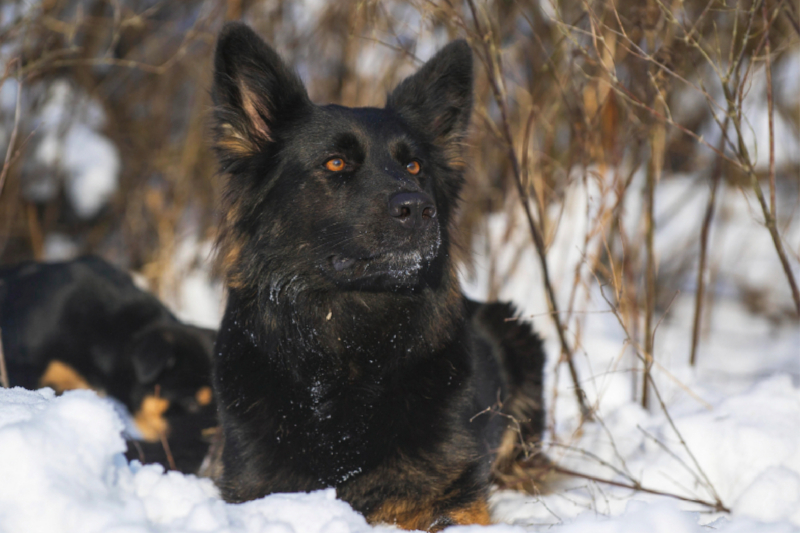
254 91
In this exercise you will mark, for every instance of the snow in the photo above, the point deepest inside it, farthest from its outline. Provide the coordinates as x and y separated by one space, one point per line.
59 247
62 470
198 297
70 141
70 149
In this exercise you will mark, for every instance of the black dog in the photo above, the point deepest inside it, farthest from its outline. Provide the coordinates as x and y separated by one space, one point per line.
84 324
348 356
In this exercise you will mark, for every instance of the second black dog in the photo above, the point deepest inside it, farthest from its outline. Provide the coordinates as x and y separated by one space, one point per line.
84 324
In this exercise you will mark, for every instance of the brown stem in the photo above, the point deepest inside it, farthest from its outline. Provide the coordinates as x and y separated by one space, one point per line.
701 284
494 73
657 146
717 506
770 115
769 219
3 372
13 139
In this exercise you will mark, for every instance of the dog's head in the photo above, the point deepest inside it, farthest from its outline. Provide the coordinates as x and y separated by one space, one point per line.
175 358
324 197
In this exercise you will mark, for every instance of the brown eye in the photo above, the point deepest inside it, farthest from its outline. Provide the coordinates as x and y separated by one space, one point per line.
335 165
413 167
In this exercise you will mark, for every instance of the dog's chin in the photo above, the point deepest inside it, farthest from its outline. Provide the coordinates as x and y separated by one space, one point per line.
386 271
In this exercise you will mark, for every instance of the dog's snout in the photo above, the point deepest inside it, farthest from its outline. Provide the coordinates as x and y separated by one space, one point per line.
412 209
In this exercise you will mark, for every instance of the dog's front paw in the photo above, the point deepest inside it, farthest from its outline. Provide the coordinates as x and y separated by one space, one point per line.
429 516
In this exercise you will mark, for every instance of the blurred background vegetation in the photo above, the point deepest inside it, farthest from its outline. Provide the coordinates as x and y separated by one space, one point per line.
107 144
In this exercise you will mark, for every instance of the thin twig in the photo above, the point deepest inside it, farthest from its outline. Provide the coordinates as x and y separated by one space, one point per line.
495 75
641 354
745 162
700 470
167 451
717 506
770 115
599 460
3 371
716 173
10 156
672 454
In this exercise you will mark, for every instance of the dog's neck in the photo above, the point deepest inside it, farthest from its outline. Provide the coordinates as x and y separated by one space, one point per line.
355 332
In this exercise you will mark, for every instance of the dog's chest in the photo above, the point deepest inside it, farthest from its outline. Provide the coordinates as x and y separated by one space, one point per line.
336 428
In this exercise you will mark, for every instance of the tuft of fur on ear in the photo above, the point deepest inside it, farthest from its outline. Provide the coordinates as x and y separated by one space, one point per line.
438 97
253 91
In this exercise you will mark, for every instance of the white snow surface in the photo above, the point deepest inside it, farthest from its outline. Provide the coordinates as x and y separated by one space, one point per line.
62 470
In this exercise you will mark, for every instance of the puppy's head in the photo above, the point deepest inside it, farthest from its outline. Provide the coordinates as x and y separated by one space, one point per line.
332 198
175 359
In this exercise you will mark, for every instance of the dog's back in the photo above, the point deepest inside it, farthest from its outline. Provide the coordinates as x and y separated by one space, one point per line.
82 311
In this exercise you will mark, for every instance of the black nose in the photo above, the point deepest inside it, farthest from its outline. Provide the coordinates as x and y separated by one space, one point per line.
412 209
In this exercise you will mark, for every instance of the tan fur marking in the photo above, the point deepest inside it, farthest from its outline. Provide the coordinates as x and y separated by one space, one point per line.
231 251
212 463
422 515
234 143
149 419
209 433
61 377
405 514
204 396
475 513
518 466
256 112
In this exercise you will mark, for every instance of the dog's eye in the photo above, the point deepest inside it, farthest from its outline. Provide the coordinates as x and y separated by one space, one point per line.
335 164
413 167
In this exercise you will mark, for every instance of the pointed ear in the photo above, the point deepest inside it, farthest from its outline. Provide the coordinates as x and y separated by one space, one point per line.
438 98
253 92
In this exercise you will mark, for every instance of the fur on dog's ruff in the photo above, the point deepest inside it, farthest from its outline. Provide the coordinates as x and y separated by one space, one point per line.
348 356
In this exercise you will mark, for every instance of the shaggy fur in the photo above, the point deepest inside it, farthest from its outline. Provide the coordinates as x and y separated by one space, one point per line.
348 356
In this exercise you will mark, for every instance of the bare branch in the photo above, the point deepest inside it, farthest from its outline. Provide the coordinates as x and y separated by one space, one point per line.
3 370
717 506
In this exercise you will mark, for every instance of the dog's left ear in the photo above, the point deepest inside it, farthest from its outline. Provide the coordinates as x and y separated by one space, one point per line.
438 98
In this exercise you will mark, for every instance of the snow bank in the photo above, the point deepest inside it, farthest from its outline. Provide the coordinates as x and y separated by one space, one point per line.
62 470
746 446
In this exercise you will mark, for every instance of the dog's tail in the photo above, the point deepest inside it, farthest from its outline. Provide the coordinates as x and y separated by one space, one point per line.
520 464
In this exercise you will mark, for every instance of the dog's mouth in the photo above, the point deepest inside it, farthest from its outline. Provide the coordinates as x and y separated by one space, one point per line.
400 264
398 267
397 263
